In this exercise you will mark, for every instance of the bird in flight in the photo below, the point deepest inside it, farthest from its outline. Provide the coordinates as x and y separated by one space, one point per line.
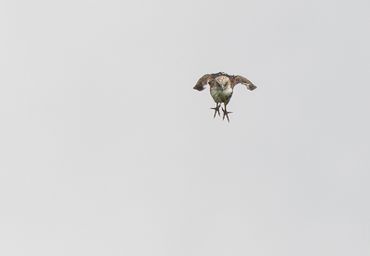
221 89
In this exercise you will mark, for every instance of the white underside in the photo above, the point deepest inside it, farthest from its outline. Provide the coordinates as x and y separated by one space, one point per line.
221 95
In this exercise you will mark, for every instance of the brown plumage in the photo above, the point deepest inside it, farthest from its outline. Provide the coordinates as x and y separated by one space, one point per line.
204 80
221 88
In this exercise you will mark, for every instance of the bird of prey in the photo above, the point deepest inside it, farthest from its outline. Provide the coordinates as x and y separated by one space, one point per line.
221 89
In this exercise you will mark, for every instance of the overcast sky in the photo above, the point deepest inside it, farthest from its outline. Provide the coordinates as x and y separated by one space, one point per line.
107 150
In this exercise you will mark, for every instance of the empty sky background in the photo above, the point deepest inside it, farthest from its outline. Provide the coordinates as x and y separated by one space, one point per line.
107 150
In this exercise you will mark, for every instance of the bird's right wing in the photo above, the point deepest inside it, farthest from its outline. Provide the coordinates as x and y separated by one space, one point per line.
202 82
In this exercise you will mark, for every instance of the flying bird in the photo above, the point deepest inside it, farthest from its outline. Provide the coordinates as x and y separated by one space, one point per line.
221 89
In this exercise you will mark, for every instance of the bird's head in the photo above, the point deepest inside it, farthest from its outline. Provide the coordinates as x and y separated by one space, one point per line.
223 81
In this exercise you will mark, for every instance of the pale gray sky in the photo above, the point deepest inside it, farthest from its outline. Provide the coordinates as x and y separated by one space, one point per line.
107 150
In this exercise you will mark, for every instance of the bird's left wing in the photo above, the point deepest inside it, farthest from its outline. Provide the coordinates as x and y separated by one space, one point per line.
202 82
242 80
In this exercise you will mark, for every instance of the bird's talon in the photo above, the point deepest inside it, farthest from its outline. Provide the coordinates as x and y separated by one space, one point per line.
217 111
226 113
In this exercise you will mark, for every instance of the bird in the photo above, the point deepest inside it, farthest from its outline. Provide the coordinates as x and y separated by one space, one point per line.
221 89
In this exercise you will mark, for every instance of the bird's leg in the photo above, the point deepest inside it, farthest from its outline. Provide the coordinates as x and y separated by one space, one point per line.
226 113
217 109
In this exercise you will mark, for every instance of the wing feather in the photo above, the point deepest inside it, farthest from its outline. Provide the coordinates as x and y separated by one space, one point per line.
242 80
200 85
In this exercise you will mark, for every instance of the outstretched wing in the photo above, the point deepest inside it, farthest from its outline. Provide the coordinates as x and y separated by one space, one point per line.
242 80
202 82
